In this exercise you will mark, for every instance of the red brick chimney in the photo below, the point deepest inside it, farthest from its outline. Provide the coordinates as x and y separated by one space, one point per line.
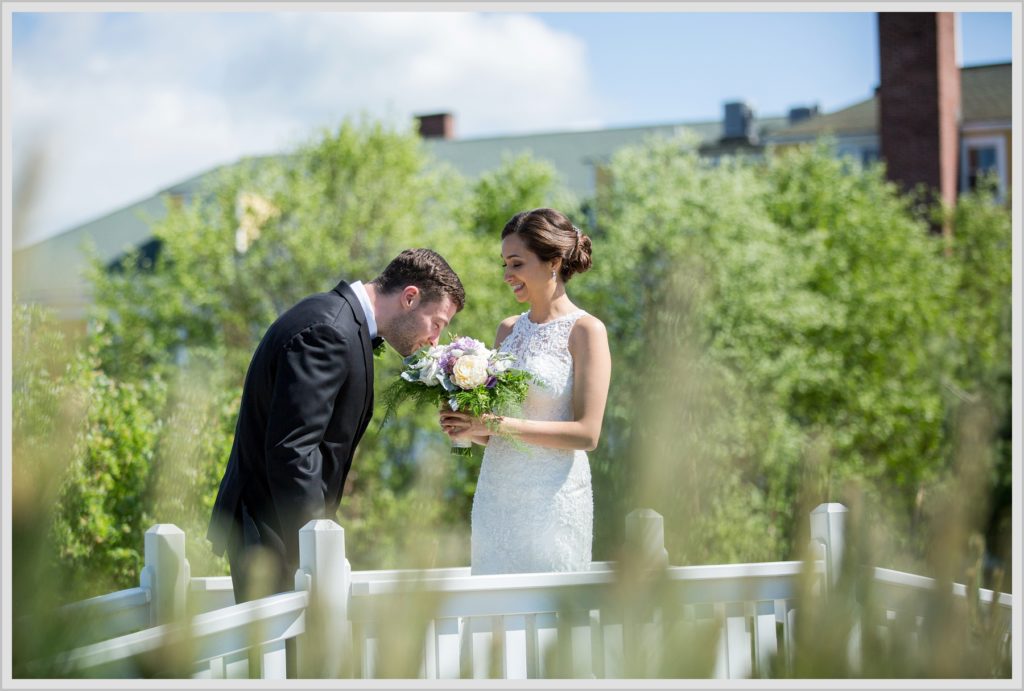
436 126
919 99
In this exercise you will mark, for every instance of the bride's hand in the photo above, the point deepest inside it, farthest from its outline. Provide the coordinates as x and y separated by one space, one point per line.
454 428
464 424
460 436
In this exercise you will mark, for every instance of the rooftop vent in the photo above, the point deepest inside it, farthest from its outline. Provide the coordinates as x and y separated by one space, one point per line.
801 113
739 122
436 126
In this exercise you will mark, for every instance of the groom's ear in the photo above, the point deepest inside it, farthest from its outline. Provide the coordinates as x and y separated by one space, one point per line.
410 296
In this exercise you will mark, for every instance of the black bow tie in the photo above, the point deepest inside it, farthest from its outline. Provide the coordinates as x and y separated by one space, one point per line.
377 342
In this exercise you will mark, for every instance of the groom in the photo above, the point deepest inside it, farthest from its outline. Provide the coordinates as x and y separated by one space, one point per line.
307 399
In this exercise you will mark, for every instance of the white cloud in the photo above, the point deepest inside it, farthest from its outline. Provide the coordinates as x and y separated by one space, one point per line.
128 104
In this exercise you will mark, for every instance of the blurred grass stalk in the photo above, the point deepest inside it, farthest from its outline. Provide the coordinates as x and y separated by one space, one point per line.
45 415
851 632
841 633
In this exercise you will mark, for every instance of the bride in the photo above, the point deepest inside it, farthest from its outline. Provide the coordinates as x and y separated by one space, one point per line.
533 509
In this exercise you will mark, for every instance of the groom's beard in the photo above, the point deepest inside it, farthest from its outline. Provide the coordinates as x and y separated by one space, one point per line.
402 333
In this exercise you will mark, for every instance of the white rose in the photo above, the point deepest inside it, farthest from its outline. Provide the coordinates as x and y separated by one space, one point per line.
470 371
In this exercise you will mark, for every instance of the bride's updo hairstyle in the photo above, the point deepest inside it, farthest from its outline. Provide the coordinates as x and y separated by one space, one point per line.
551 235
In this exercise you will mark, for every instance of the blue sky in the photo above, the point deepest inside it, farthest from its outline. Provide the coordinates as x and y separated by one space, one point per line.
120 106
663 67
685 65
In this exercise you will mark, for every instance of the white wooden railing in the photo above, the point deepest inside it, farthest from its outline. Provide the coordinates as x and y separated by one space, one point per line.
445 623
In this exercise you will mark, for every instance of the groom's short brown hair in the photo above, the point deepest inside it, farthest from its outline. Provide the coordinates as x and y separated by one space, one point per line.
425 269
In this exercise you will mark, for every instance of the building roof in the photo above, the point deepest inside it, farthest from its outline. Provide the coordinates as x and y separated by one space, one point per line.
571 152
985 96
575 153
987 92
51 272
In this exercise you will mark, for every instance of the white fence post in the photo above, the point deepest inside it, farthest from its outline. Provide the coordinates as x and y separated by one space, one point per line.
166 573
645 532
828 523
325 649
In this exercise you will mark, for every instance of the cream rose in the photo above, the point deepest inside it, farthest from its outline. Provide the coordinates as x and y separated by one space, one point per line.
470 371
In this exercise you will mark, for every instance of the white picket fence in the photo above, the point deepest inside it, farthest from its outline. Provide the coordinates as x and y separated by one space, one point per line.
453 625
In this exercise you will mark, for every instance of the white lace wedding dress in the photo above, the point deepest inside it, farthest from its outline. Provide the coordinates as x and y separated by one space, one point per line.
533 509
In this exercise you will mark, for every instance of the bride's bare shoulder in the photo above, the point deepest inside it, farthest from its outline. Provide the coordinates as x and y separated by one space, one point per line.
587 330
504 329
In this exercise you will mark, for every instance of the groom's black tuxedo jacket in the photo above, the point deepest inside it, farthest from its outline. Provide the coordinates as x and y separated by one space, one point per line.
307 400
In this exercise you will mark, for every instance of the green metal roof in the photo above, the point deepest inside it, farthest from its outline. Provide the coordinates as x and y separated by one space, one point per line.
859 118
987 92
985 95
50 271
574 154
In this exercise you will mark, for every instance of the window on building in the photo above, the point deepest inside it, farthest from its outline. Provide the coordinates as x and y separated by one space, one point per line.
980 160
981 156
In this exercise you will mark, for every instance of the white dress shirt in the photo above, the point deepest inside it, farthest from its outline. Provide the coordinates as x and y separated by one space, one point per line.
364 300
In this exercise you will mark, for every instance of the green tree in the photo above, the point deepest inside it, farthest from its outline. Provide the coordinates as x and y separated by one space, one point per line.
264 234
981 249
781 330
802 314
46 408
882 392
106 503
696 273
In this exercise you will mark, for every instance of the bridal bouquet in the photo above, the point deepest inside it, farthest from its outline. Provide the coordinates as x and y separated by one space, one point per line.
464 375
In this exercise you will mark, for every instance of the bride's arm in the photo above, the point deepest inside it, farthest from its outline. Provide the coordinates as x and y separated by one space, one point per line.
504 329
592 367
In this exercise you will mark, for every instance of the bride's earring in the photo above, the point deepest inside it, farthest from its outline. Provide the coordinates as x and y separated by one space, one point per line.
552 275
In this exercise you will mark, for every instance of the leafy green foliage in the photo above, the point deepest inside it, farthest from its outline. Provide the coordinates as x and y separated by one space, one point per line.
785 326
781 330
980 250
47 409
503 399
106 504
261 236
